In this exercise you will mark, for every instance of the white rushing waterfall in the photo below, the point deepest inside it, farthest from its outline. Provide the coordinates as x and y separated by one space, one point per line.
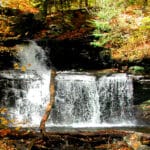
27 92
76 100
82 100
116 99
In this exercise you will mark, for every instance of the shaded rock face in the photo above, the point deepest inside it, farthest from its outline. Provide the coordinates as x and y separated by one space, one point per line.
142 98
75 54
6 60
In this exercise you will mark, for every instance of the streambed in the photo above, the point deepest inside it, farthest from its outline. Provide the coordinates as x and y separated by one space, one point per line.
76 140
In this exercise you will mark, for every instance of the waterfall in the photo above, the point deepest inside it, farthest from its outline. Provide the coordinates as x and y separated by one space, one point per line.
82 100
26 93
32 56
116 98
76 100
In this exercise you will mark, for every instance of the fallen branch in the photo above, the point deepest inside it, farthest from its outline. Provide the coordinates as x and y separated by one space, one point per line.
50 104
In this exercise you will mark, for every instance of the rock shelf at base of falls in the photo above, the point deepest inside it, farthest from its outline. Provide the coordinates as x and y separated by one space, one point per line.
111 139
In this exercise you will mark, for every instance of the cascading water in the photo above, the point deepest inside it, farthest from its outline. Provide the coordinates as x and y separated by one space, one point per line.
82 100
76 100
116 99
27 93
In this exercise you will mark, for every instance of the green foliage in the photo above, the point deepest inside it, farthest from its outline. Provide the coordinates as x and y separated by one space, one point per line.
41 5
142 3
102 26
131 1
145 26
145 105
104 30
136 69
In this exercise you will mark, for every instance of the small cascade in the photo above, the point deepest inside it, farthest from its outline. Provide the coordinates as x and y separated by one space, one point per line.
32 57
116 99
23 96
26 93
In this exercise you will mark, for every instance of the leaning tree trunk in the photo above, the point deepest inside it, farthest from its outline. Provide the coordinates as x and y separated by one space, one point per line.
51 103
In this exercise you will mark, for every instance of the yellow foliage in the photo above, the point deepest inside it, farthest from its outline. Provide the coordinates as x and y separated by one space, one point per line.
17 128
4 121
136 47
16 66
23 5
23 68
3 110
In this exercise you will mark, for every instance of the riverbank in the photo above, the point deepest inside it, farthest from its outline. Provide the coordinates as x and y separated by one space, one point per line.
105 139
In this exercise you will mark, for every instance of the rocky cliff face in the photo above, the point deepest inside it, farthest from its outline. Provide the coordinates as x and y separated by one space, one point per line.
142 98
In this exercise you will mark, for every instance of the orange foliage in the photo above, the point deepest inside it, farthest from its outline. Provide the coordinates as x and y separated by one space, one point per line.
22 68
23 5
130 9
4 132
78 33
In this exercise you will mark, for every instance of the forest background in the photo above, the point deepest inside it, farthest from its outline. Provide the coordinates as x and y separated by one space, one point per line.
120 29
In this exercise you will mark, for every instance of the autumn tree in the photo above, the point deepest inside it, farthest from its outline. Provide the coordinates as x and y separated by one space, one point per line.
23 5
48 6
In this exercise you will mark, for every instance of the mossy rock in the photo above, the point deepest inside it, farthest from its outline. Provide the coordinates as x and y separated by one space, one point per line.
145 105
136 70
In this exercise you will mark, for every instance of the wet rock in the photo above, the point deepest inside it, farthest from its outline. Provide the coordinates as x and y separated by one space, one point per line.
133 141
145 139
138 141
142 97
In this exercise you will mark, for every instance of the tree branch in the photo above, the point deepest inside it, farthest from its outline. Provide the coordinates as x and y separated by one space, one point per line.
51 103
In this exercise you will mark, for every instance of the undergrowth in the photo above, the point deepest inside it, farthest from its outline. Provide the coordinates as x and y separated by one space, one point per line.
124 29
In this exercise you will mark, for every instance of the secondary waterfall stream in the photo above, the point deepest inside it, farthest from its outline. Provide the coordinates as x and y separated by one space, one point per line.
82 99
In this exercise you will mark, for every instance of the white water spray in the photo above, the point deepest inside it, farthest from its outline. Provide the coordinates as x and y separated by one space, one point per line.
33 56
32 86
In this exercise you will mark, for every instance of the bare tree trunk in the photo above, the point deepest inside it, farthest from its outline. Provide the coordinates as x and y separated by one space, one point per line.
80 4
145 3
51 103
86 3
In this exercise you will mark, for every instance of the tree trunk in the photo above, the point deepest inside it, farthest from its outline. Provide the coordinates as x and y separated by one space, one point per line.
86 3
145 3
51 103
45 7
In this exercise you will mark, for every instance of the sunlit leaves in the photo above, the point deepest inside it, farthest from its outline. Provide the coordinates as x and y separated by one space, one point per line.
137 45
145 26
104 32
23 5
21 68
16 66
3 120
3 110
